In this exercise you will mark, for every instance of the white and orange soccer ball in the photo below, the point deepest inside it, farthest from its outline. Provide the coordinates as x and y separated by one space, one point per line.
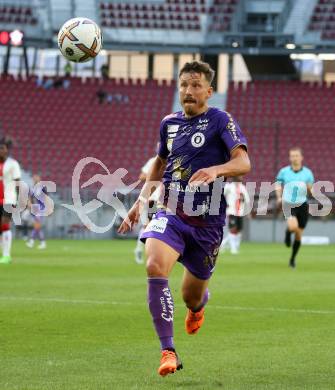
80 39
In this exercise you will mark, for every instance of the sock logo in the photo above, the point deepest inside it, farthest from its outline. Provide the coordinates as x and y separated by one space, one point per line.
167 305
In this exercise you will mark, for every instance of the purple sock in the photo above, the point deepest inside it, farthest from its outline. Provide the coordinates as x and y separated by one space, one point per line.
161 308
41 235
204 301
34 234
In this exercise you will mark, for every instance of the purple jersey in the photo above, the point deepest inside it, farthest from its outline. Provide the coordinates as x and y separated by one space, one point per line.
190 144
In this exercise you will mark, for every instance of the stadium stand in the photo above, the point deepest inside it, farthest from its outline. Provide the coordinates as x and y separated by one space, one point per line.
277 115
14 14
171 14
53 129
221 13
323 19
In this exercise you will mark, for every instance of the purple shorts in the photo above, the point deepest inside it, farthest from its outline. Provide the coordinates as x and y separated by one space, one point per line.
198 246
36 218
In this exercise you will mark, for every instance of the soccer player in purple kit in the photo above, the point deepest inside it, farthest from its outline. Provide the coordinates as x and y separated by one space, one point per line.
197 146
37 196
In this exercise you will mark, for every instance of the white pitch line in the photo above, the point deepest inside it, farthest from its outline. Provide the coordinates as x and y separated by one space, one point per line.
274 309
62 300
219 307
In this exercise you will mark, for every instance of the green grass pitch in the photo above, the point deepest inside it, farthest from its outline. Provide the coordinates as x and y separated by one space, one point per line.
75 317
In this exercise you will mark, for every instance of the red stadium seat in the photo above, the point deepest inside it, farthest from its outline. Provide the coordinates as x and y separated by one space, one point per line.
323 12
53 128
262 107
147 15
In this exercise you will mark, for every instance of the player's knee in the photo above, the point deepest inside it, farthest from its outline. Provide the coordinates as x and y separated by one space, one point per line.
292 226
298 235
154 268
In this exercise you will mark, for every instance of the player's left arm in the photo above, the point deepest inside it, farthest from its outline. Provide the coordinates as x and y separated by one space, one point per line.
309 189
239 164
310 183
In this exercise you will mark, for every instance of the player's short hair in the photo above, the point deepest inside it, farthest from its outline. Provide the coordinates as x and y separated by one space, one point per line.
6 141
296 149
198 67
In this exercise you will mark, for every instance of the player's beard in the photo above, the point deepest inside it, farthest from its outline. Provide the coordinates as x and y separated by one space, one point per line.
193 109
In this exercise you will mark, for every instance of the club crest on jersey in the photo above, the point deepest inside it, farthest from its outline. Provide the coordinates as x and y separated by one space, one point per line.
197 140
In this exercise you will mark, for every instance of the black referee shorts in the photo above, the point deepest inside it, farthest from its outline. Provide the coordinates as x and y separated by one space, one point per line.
235 222
301 213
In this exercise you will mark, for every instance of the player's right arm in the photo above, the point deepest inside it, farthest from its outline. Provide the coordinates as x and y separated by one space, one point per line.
142 176
279 192
155 175
309 183
145 170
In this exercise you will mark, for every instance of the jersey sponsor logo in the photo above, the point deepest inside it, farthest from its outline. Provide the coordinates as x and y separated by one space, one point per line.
187 129
157 225
202 124
180 172
173 186
172 130
231 127
172 133
197 140
169 144
203 121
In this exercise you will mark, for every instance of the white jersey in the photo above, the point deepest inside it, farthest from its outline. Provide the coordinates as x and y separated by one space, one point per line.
237 198
9 172
146 169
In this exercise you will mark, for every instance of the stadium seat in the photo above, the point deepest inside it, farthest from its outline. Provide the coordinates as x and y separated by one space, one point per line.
171 14
322 19
56 128
16 14
277 115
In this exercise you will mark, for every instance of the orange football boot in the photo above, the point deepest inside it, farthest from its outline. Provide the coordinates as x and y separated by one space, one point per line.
193 321
169 363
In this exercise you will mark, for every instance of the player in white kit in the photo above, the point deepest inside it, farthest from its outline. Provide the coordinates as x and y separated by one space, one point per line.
237 199
10 173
